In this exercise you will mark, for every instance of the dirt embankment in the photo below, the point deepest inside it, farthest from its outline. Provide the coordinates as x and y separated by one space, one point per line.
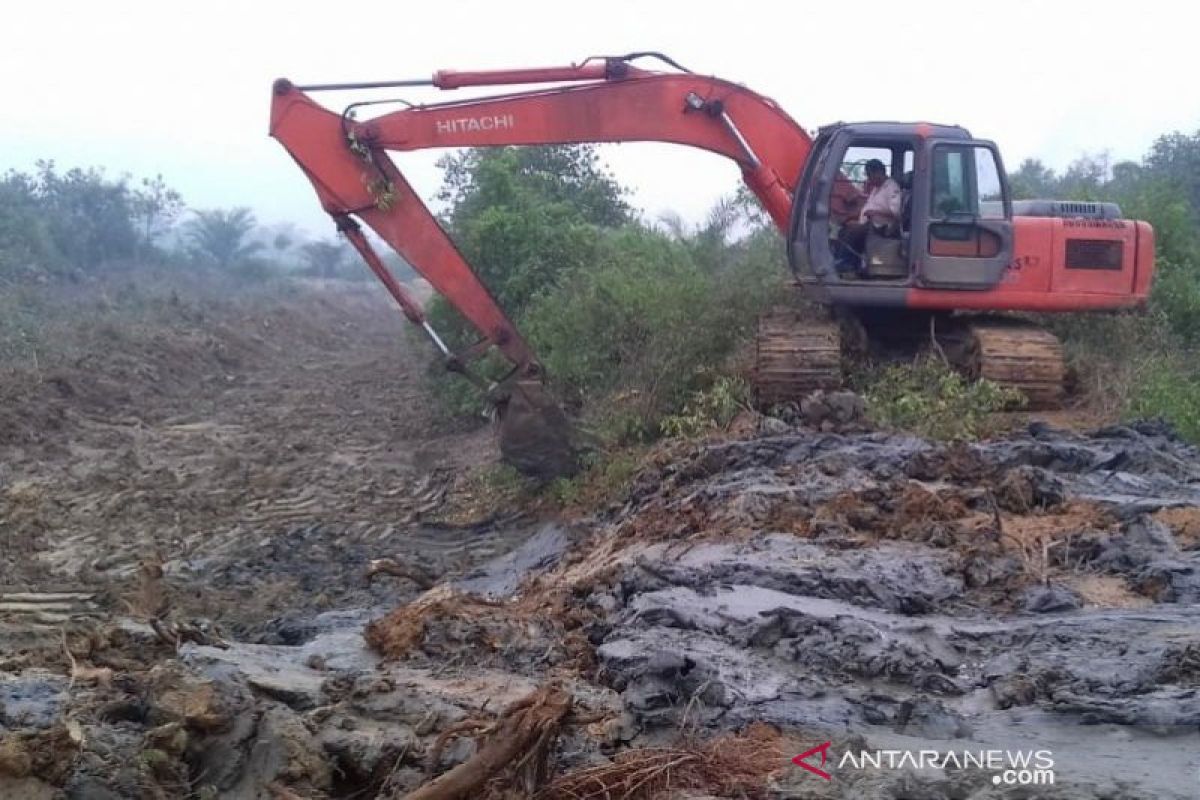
187 612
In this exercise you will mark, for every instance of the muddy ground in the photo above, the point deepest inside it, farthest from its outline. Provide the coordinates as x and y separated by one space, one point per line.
190 513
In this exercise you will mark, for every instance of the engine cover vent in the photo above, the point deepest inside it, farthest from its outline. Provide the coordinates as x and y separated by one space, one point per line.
1066 208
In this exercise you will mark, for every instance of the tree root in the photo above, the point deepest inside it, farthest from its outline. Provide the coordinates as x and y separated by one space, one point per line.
519 740
730 766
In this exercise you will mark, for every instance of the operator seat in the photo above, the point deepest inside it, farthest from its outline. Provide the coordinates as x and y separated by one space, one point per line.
887 254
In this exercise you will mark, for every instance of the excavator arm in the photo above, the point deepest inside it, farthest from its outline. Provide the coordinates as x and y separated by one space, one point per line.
600 100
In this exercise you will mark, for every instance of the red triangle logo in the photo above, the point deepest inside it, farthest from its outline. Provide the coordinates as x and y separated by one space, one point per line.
799 760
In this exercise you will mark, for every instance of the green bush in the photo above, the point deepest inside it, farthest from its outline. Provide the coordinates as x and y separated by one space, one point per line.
713 408
1168 388
604 480
929 398
643 327
523 216
26 246
1176 295
628 319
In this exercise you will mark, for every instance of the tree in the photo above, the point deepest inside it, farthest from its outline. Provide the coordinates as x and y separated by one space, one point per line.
26 246
154 208
220 235
1032 180
526 216
710 241
89 218
1086 178
1175 158
573 174
283 237
324 259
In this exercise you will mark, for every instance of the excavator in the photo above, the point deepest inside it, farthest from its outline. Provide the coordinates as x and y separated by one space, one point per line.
948 273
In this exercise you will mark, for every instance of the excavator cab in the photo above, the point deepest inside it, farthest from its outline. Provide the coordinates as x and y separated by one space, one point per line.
955 229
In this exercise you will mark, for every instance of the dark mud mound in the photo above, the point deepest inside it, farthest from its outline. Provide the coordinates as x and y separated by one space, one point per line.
924 596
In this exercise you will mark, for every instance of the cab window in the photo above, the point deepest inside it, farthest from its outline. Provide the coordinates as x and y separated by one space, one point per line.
988 183
962 176
951 192
897 159
854 163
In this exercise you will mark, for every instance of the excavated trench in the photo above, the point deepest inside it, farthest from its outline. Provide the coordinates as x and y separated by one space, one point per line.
1038 592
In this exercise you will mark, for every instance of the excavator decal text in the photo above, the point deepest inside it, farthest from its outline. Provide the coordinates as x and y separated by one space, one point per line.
499 122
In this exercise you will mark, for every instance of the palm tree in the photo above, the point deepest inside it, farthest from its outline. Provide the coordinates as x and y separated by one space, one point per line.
220 235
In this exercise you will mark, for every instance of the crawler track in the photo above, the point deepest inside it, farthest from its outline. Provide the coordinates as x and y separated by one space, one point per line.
795 355
1018 355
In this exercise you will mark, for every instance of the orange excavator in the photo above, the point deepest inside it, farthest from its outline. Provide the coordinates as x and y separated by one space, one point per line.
958 255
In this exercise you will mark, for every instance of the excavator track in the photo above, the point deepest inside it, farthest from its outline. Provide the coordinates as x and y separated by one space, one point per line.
795 355
1019 355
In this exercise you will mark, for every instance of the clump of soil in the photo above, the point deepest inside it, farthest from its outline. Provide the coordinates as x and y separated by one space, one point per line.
1184 522
477 624
539 628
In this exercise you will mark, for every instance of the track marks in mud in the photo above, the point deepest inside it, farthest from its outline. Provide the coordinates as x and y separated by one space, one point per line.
264 449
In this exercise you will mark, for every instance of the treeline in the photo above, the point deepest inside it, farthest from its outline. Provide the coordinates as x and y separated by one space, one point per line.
81 223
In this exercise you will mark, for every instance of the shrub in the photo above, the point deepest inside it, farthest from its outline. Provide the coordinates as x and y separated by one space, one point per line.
627 319
1176 295
606 479
929 398
26 246
1168 388
709 409
644 324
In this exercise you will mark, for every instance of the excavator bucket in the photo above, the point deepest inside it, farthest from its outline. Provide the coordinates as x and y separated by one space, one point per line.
536 437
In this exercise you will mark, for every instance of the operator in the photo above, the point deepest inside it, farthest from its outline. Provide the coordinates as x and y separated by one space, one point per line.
880 211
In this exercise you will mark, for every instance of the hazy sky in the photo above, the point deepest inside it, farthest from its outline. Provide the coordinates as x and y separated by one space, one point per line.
183 89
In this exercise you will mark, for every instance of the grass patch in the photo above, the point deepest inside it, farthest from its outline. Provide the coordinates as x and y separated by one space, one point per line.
1134 366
